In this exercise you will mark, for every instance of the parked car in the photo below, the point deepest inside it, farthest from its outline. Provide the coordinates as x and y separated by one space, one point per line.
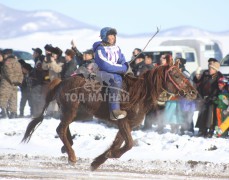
28 57
224 66
205 48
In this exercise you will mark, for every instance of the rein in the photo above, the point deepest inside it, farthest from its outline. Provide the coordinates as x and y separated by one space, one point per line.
167 75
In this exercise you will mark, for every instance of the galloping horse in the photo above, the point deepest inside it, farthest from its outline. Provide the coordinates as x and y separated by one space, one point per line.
143 93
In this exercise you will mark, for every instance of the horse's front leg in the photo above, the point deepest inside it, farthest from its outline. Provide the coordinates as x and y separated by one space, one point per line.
103 157
125 130
62 130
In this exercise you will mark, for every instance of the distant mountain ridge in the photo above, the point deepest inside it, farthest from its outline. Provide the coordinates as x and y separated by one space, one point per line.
183 31
187 31
16 23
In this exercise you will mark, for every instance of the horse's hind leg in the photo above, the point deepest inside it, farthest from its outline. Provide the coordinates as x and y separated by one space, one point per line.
62 131
69 136
103 157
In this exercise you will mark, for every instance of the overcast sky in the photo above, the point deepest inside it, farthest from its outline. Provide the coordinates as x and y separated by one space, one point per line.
137 16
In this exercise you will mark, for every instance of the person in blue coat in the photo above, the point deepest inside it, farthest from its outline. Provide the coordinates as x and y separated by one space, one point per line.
112 64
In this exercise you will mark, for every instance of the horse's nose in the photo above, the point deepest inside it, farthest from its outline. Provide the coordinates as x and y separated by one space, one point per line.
182 92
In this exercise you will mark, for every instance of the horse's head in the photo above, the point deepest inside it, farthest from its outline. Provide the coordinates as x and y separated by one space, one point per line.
175 82
156 86
165 81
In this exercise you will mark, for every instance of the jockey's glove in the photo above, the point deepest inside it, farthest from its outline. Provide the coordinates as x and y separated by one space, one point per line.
129 70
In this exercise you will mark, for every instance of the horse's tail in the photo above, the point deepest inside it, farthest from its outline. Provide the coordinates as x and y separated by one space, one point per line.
38 120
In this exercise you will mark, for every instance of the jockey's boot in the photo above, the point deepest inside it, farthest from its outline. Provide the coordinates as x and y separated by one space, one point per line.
117 114
3 113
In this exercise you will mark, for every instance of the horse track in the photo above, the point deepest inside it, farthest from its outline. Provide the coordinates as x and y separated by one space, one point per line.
17 166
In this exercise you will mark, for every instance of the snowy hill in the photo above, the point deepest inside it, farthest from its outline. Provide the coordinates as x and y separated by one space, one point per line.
16 23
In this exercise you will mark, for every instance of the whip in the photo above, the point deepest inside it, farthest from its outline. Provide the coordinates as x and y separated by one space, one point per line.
145 45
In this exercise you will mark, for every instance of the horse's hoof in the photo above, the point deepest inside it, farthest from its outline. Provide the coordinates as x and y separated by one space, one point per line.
63 149
72 162
94 166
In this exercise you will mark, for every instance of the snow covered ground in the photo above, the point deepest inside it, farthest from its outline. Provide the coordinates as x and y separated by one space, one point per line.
152 156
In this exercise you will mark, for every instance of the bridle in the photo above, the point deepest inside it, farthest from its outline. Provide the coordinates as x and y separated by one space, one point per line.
180 87
166 95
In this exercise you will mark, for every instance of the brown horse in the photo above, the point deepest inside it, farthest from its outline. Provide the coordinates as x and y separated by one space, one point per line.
137 97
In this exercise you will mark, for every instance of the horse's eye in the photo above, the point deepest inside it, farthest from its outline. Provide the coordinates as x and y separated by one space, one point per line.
176 76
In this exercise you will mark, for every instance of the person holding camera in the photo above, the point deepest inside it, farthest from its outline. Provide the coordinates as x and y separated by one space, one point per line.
53 64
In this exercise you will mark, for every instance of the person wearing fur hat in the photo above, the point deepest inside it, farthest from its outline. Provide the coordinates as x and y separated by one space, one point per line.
208 90
112 63
57 53
54 52
54 66
48 49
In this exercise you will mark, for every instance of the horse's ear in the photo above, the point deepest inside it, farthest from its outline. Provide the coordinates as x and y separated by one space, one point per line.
169 59
177 63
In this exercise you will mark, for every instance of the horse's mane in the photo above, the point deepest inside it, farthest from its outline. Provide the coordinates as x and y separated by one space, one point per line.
149 84
143 90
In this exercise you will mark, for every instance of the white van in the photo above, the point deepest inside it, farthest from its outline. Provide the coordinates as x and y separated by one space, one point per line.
224 66
177 52
205 48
